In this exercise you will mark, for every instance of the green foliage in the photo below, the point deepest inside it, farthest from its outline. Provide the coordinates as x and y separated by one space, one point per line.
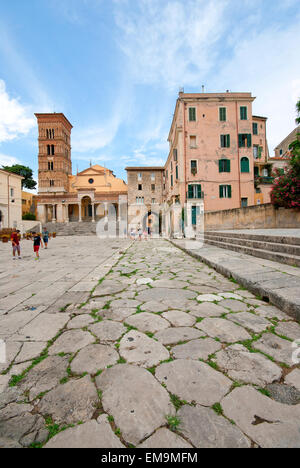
29 217
24 171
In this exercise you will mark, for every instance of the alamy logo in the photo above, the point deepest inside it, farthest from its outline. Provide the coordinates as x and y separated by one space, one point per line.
296 353
2 352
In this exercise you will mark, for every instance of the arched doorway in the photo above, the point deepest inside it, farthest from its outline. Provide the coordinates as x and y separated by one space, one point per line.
86 209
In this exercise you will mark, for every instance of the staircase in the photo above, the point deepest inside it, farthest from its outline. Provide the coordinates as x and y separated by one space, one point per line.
72 229
282 249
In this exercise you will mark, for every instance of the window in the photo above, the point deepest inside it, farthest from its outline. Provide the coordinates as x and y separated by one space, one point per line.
224 165
176 172
243 113
171 181
194 167
245 140
153 176
51 183
153 201
222 114
48 150
245 165
91 181
139 200
153 187
192 114
225 191
140 187
193 143
255 151
244 202
11 192
254 128
194 191
225 141
52 150
256 171
139 176
194 215
175 154
280 152
50 165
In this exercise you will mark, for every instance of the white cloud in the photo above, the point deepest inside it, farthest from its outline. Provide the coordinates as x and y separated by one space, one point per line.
170 43
95 137
6 160
15 119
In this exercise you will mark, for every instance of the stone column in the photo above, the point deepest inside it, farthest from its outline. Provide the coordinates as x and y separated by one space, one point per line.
67 212
79 212
93 212
53 214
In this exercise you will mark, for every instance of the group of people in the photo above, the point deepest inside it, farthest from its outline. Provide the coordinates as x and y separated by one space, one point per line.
38 241
139 233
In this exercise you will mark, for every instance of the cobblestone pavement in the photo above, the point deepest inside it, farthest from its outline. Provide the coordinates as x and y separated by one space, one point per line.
113 344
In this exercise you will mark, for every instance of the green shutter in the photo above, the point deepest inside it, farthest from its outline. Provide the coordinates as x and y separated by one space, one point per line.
222 114
227 141
194 215
240 140
245 165
221 191
229 191
198 191
190 191
254 127
221 141
249 140
220 165
176 172
243 113
227 165
192 114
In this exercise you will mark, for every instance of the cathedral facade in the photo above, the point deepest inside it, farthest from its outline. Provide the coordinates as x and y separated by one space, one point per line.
62 196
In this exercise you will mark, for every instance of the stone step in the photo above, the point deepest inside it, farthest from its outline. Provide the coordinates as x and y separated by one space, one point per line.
72 228
256 244
280 257
260 237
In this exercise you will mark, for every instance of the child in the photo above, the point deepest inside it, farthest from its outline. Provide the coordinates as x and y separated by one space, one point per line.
37 241
45 237
15 242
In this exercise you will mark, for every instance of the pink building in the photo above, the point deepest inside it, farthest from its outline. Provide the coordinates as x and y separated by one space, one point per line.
214 142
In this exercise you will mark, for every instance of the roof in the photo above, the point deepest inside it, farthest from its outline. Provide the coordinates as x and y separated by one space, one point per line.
259 117
11 173
52 116
145 168
296 130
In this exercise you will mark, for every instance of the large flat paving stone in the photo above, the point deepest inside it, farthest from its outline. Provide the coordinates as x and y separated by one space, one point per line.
269 423
124 304
234 305
45 375
193 381
293 378
148 322
137 348
154 306
205 429
209 298
208 309
12 349
281 350
71 402
91 434
196 349
163 438
172 336
80 321
223 329
44 327
246 367
11 323
165 294
118 314
289 329
269 311
108 287
179 319
250 321
173 284
30 350
93 358
71 341
138 403
108 331
284 393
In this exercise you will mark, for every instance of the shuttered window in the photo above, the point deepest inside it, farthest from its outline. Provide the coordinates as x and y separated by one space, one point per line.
192 114
245 165
225 141
225 191
224 165
243 113
254 128
222 114
176 172
194 191
245 139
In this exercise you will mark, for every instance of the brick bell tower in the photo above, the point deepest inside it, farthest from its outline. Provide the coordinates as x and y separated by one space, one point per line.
54 156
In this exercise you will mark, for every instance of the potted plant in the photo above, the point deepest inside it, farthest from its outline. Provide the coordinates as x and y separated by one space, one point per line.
54 235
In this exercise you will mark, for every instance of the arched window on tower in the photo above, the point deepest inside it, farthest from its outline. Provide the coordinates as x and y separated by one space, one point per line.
52 150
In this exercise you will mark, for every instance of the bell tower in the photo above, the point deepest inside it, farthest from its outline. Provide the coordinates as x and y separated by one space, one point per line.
54 157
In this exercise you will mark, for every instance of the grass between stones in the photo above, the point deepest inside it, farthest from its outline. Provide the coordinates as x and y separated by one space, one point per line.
218 408
173 422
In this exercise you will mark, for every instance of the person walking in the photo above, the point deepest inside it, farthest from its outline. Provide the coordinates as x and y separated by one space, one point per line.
37 242
15 242
45 237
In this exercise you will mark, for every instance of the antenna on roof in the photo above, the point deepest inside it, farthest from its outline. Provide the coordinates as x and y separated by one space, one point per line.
90 163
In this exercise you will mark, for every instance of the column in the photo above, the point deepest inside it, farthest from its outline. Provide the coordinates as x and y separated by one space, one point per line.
93 212
79 212
53 214
67 212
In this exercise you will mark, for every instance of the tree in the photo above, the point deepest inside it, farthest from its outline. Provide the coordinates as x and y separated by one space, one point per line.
24 171
298 112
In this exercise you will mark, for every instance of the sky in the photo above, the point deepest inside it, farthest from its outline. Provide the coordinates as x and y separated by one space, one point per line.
114 68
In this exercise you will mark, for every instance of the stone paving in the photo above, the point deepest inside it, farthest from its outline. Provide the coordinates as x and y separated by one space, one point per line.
118 344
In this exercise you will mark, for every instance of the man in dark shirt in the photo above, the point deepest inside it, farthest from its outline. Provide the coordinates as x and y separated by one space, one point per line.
15 242
37 241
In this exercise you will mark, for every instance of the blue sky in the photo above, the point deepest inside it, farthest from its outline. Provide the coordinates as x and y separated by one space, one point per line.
114 68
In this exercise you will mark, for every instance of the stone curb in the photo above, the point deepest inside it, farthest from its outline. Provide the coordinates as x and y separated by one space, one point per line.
272 295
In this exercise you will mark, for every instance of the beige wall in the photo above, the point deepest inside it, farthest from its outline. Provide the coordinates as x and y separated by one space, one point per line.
259 217
10 202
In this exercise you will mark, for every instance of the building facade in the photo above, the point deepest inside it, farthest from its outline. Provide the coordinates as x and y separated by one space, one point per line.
10 199
63 197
